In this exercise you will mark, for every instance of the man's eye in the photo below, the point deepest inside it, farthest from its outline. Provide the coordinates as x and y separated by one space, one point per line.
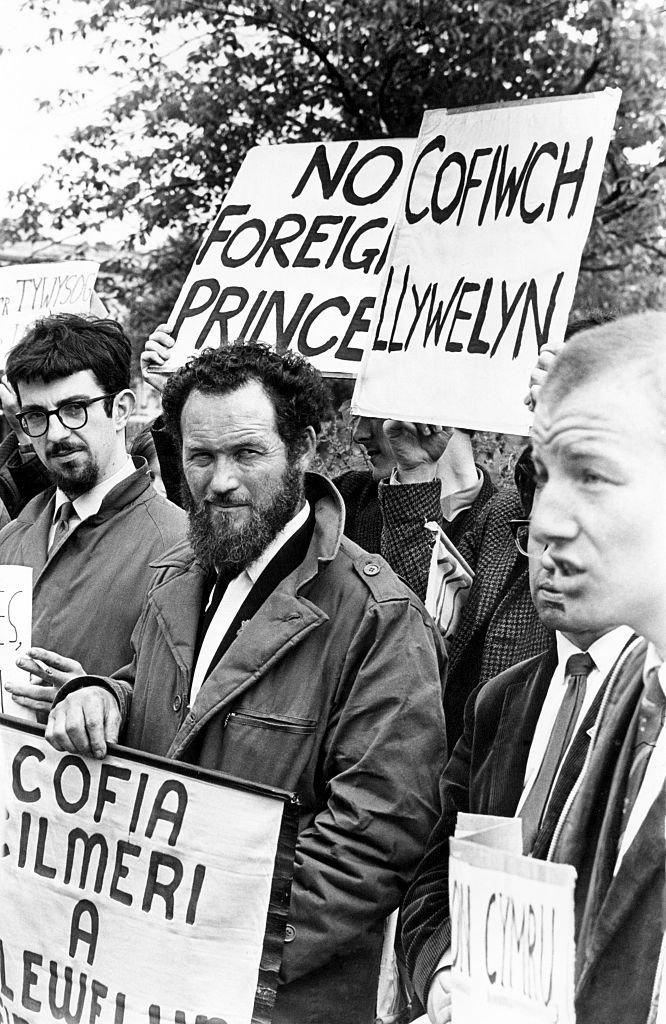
72 408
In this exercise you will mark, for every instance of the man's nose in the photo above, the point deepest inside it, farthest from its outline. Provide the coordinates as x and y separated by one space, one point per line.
56 431
552 516
225 477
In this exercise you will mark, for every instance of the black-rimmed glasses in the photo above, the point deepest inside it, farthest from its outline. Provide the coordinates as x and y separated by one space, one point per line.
72 415
520 531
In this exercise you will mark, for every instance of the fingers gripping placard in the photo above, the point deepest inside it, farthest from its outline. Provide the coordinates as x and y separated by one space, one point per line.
137 890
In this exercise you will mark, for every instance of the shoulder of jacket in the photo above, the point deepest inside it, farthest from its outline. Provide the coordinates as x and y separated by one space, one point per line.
518 673
376 575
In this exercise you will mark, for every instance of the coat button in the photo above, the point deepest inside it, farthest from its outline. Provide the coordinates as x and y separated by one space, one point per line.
177 702
289 933
371 569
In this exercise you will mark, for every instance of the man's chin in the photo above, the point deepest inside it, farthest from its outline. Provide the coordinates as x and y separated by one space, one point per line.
74 481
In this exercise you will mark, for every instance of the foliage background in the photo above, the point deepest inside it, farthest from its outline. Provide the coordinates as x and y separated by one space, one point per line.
184 116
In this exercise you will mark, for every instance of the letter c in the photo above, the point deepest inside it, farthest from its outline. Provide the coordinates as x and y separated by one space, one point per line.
27 796
439 143
492 975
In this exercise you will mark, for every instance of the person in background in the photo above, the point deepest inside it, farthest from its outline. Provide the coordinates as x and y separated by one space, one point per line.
525 740
275 649
91 536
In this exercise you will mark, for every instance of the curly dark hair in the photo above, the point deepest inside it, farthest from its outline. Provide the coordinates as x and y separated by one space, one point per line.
60 345
296 389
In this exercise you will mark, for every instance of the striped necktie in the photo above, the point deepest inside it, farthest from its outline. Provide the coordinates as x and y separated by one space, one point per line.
577 670
650 721
64 517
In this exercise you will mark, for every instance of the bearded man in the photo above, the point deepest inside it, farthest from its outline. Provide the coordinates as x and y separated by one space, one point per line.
89 538
275 649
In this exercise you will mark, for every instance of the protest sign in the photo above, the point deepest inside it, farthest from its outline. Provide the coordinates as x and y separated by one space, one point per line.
484 260
137 889
295 255
29 291
512 931
15 633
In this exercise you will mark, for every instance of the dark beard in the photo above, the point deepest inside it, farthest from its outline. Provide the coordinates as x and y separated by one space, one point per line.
230 551
77 482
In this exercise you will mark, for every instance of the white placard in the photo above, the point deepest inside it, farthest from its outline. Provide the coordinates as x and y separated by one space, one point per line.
294 258
512 937
29 291
484 259
15 633
141 890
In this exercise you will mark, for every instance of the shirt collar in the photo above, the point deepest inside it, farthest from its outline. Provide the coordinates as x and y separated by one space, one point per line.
255 569
604 652
88 504
653 660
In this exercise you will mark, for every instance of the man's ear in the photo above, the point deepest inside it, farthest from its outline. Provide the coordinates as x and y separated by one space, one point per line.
123 408
308 448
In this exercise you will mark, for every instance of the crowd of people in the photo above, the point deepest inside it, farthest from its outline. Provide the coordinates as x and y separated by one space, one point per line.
267 622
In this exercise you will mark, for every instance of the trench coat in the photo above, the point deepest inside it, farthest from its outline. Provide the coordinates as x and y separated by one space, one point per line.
332 690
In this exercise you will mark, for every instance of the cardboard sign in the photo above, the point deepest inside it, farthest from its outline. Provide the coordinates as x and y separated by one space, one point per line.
484 260
294 257
137 890
512 932
15 633
33 290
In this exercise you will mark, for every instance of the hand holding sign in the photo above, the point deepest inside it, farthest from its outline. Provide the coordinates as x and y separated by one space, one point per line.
547 357
85 722
439 997
155 354
417 448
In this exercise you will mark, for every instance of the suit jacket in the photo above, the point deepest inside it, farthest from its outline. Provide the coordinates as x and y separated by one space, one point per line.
485 775
499 626
618 918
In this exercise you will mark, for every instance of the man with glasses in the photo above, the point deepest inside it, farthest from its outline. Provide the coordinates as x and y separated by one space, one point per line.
526 737
91 537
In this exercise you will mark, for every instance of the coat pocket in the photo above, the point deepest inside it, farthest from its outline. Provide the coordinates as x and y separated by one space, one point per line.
274 749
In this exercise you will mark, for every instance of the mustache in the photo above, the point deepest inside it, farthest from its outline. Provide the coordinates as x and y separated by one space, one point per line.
63 448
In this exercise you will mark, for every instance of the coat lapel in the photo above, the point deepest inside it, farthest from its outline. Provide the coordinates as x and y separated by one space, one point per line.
522 705
273 631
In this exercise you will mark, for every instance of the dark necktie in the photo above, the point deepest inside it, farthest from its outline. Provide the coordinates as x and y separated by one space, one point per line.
648 727
63 524
577 670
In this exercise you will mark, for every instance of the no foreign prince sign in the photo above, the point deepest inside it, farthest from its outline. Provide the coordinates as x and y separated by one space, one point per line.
294 257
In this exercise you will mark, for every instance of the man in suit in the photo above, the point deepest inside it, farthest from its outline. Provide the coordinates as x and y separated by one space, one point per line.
600 455
511 759
273 648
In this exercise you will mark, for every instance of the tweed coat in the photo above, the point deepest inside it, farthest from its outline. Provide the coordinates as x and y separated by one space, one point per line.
389 520
499 626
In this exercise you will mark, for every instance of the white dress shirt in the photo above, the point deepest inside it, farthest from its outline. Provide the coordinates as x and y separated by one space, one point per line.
233 597
88 504
655 773
604 652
